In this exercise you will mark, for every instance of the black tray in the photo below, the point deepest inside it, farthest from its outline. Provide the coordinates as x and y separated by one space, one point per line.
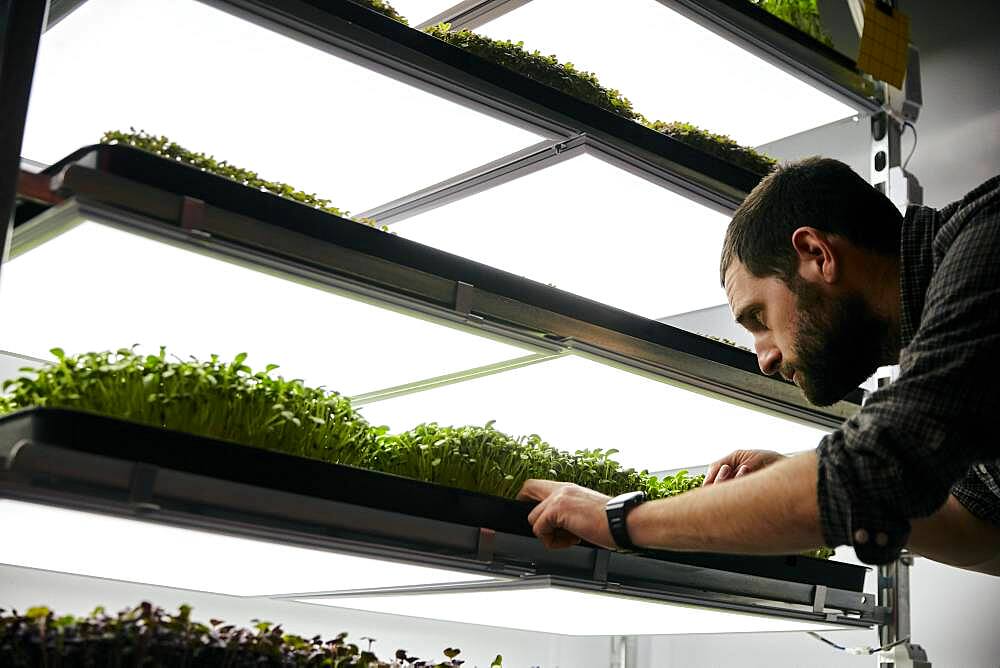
180 179
120 439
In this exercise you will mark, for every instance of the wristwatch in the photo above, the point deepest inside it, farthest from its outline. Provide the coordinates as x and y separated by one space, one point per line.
617 510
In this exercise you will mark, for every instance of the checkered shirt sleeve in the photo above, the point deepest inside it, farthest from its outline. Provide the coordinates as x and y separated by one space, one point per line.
914 439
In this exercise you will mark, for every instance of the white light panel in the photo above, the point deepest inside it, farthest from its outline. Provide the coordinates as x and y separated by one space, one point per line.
575 403
670 68
569 612
591 229
99 288
71 541
223 86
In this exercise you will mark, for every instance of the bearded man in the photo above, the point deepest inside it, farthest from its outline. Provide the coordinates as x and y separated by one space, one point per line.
833 282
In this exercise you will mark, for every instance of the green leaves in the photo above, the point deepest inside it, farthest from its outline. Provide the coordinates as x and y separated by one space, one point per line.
585 86
163 147
151 636
803 14
229 401
383 7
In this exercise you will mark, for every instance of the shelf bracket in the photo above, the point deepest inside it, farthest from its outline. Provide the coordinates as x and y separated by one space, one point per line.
486 547
193 216
464 294
601 560
140 488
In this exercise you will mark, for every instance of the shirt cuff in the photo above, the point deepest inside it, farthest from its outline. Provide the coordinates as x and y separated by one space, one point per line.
850 514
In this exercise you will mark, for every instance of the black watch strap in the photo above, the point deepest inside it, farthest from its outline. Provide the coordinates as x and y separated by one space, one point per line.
617 510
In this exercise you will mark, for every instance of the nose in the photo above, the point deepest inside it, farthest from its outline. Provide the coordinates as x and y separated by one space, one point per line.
768 356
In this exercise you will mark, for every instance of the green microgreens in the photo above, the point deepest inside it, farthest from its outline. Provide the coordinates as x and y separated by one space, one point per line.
149 636
228 401
803 14
164 147
547 69
383 7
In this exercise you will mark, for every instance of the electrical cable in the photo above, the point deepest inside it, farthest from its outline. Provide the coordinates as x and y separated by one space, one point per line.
858 651
910 125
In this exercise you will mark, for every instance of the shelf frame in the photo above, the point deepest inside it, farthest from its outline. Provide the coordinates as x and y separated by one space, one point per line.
38 464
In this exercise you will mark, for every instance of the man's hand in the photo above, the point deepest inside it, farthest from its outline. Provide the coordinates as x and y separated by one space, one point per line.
739 463
567 514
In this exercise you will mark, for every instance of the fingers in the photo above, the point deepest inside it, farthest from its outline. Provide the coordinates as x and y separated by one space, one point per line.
742 470
536 490
713 471
725 473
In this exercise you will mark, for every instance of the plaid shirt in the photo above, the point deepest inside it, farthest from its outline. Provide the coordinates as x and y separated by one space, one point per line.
932 430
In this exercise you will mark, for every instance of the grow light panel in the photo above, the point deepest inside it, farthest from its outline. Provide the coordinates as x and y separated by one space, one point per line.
98 288
223 86
671 68
591 229
71 541
567 611
576 403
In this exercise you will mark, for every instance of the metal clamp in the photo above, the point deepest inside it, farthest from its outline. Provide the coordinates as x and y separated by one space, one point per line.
486 545
193 216
140 488
601 560
464 294
819 599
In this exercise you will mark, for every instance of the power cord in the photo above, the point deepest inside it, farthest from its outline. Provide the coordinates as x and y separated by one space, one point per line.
858 651
910 125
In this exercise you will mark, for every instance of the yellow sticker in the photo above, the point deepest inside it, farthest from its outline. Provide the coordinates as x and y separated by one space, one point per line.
884 43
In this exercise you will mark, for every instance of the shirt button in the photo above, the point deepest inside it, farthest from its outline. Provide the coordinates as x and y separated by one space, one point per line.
881 539
861 536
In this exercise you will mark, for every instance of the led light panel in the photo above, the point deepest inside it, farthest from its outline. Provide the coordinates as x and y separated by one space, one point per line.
226 87
71 541
568 612
670 68
99 288
575 403
591 229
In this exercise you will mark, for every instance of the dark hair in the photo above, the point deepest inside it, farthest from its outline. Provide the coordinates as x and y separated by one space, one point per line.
814 192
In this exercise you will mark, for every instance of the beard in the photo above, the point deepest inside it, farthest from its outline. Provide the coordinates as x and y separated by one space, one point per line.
839 343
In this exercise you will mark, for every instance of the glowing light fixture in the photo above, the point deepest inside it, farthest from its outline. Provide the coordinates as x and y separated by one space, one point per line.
84 543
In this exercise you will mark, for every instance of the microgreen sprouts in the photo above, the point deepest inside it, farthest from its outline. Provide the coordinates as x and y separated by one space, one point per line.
164 147
228 401
383 7
803 14
149 636
547 69
214 398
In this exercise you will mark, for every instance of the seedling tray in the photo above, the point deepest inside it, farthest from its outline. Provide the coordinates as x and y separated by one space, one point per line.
103 436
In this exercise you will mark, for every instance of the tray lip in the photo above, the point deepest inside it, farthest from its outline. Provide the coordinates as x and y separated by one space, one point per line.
792 568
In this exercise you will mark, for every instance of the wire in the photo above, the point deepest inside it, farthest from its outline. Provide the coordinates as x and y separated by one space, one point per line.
858 651
910 125
828 642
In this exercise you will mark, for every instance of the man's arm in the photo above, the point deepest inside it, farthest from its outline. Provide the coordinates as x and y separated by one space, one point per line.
956 537
771 512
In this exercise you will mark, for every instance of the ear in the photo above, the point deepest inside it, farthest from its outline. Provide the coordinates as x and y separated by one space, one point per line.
817 257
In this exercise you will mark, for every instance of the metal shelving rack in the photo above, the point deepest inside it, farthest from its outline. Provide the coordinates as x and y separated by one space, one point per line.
127 189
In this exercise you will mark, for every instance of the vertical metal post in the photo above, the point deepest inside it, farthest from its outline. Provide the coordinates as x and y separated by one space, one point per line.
894 593
21 25
624 652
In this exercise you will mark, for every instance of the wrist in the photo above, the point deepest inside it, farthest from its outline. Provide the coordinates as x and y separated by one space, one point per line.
617 511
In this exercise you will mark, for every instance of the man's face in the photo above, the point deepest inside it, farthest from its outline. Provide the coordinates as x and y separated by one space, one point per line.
826 343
